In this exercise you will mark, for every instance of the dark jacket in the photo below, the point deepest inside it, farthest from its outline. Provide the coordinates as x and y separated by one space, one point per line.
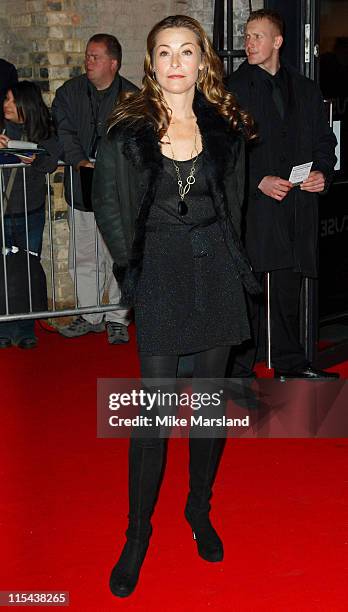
128 170
75 113
35 173
8 78
283 234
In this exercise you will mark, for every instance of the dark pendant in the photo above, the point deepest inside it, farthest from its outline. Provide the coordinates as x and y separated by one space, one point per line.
182 208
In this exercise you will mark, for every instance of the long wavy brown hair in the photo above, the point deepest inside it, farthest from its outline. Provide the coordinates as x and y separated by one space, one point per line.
149 102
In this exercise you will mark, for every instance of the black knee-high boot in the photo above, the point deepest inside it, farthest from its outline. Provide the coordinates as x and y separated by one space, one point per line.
204 459
145 468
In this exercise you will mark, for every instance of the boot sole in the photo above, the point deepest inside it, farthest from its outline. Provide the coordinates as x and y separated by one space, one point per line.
213 558
120 594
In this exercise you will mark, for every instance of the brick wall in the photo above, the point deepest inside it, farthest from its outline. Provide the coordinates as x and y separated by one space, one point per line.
46 41
241 13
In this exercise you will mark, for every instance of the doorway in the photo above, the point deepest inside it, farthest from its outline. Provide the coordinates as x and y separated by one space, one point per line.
331 67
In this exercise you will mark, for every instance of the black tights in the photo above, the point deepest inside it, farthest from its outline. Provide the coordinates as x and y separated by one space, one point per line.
207 364
146 456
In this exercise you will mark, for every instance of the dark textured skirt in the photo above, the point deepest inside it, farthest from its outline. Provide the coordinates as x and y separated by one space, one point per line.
189 297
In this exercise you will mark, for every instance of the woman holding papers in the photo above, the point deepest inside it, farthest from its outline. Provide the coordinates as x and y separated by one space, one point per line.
26 118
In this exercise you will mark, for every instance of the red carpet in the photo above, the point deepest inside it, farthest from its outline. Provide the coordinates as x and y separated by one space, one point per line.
280 505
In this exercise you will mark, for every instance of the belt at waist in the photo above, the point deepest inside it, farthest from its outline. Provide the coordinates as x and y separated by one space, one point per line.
173 227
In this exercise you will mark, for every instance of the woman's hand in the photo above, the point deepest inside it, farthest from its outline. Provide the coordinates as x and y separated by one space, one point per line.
27 160
4 141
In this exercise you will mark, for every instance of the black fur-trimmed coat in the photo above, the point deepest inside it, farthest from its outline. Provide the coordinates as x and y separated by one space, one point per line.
128 170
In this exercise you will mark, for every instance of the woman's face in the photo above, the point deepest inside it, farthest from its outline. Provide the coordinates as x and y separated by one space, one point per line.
177 58
10 108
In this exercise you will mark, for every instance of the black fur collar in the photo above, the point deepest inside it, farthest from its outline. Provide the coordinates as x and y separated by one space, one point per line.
221 145
142 148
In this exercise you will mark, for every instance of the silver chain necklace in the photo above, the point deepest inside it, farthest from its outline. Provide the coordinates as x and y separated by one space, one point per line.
184 189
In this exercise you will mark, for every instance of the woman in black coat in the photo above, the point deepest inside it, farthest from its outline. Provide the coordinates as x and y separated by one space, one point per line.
26 118
168 191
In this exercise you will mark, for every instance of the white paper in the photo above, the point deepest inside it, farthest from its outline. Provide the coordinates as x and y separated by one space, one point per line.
300 173
21 144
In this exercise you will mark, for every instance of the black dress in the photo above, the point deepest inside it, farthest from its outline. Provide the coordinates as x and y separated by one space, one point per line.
188 298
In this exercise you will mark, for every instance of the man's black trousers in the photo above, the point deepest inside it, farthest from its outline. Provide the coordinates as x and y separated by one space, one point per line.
287 353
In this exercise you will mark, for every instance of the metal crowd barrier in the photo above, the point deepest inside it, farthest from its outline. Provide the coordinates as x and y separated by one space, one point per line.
54 311
98 307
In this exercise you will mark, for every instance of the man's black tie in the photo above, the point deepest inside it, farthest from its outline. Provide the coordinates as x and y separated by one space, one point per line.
277 97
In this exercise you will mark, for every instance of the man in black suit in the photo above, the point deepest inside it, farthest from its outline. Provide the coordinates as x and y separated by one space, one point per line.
8 77
281 230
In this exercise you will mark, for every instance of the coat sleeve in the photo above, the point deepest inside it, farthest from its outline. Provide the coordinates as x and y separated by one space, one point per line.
234 182
48 163
63 111
106 200
238 86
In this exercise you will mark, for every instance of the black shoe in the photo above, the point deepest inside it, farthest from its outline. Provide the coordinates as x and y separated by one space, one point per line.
306 372
5 342
27 343
248 375
125 575
209 545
